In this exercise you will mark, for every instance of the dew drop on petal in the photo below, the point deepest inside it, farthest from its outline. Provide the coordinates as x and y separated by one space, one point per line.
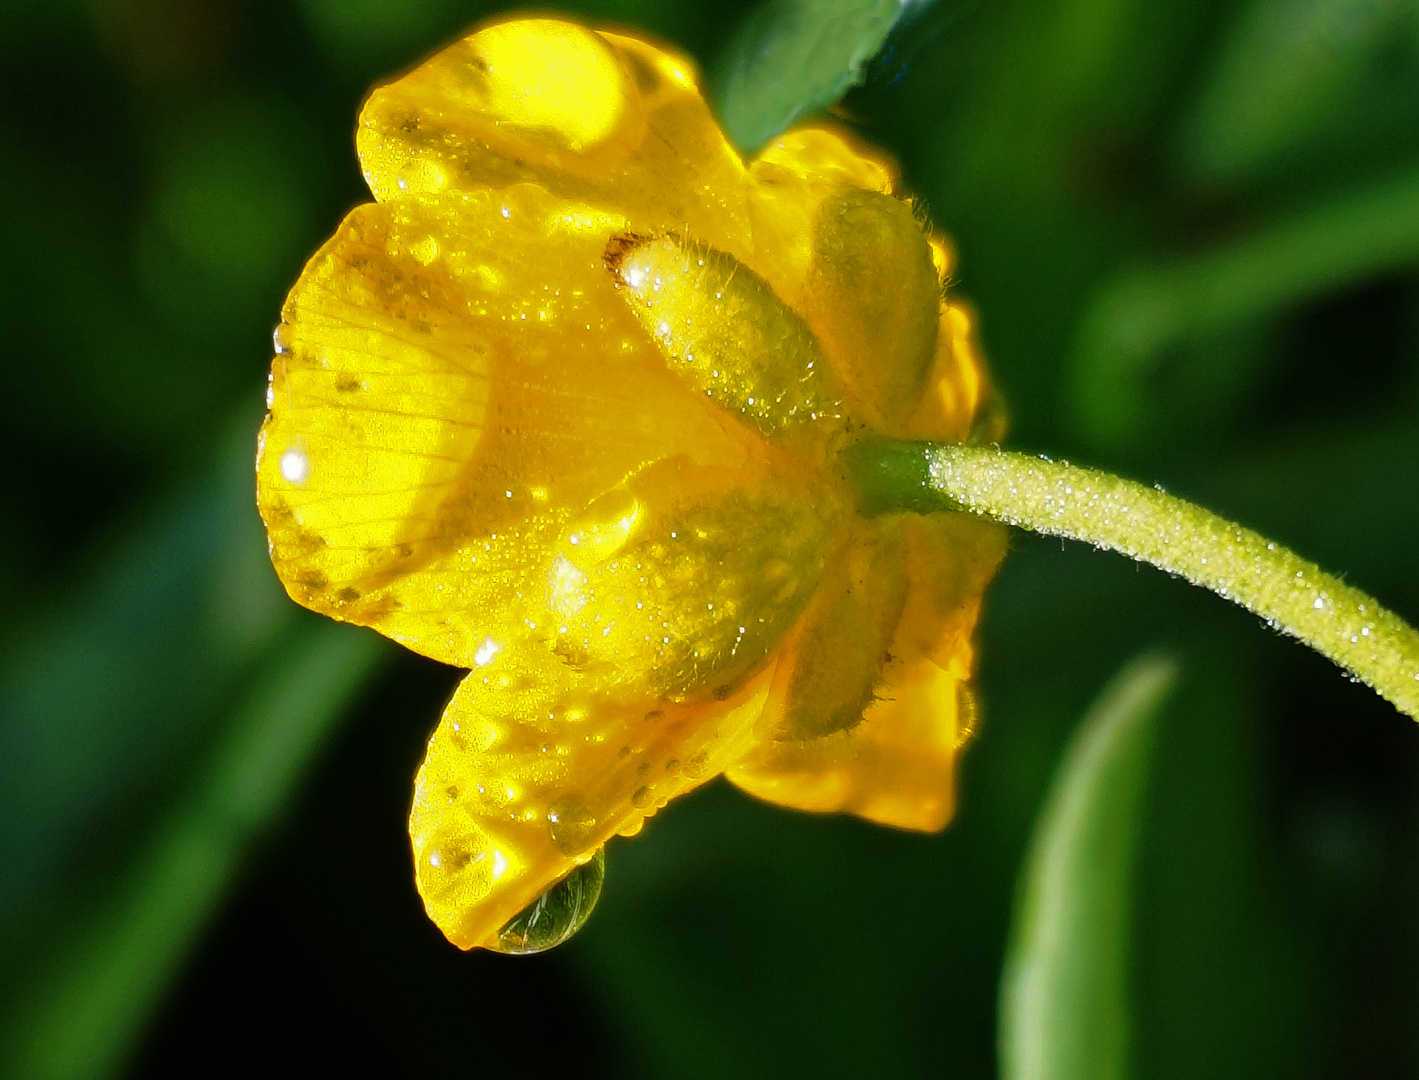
556 915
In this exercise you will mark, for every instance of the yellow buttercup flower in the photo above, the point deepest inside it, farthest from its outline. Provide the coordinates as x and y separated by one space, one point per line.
567 406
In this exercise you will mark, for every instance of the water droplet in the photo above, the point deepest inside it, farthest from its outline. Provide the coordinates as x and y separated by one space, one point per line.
281 338
603 529
556 915
571 825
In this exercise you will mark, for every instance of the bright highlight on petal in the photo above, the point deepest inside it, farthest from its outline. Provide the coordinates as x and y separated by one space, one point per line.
547 80
578 385
295 467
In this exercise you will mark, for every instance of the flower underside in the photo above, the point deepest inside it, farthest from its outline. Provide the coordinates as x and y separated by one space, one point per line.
566 406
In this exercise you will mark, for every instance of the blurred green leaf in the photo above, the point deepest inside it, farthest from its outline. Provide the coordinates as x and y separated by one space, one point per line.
1132 323
1063 998
1289 69
98 706
81 1012
793 57
1026 135
117 842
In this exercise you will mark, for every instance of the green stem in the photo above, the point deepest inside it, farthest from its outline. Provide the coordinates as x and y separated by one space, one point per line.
1058 499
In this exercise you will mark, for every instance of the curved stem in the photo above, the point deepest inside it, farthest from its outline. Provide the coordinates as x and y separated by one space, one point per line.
1293 595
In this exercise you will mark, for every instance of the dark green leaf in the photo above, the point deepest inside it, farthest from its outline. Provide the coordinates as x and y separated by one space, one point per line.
793 57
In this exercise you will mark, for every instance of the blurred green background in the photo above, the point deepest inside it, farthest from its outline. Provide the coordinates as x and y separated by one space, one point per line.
1192 231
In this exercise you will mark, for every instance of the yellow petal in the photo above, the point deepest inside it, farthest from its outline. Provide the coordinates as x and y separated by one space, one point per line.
523 93
620 124
540 80
897 765
825 155
459 380
525 778
958 402
949 560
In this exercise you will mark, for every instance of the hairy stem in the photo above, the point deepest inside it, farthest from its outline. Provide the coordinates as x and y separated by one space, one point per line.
1293 595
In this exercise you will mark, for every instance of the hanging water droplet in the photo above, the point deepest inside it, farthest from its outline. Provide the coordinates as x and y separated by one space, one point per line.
570 825
556 915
